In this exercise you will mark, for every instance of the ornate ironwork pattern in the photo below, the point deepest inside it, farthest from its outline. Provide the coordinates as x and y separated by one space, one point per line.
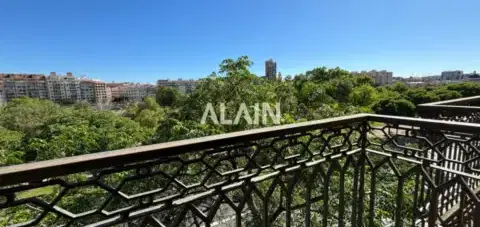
460 110
361 170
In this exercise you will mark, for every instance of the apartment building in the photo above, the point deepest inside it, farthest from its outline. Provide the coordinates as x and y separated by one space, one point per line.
117 91
3 101
20 85
86 91
63 88
452 75
137 92
270 69
58 88
184 86
382 77
15 86
130 91
95 92
36 86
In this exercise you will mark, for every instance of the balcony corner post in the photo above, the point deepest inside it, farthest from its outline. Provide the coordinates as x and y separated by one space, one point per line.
476 215
432 213
361 163
363 136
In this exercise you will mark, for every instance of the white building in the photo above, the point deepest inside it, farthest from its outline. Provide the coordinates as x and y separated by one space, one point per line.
95 92
184 86
452 75
138 92
63 88
55 87
3 100
121 92
381 77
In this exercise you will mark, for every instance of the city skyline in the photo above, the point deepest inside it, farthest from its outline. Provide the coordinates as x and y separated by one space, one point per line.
154 79
144 40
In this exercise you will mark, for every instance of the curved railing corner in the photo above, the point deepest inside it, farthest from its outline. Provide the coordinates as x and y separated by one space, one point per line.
462 110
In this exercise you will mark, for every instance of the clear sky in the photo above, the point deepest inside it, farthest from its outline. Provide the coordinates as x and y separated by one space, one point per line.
144 40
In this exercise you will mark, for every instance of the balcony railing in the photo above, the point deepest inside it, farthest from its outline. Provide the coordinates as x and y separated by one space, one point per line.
463 110
360 170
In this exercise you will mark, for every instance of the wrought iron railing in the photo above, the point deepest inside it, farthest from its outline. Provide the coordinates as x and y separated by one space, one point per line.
360 170
463 110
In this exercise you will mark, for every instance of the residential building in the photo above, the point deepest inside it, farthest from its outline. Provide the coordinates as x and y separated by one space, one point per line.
101 93
63 88
452 75
19 85
36 86
270 69
138 92
15 86
58 88
117 91
86 91
184 86
95 92
124 92
382 77
3 101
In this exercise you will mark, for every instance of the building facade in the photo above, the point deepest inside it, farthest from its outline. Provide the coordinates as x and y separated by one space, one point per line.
138 92
184 86
63 88
36 86
70 89
20 85
86 91
117 91
382 77
3 101
452 75
95 92
121 92
270 69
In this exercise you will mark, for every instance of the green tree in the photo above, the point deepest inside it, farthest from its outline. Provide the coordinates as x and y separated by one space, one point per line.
420 95
82 132
364 80
10 147
340 88
168 96
465 88
444 94
239 67
314 95
363 95
27 115
399 87
322 74
394 106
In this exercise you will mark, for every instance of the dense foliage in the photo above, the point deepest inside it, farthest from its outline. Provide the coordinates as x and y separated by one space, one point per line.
34 130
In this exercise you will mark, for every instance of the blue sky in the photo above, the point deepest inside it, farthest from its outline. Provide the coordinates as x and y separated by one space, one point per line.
144 40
